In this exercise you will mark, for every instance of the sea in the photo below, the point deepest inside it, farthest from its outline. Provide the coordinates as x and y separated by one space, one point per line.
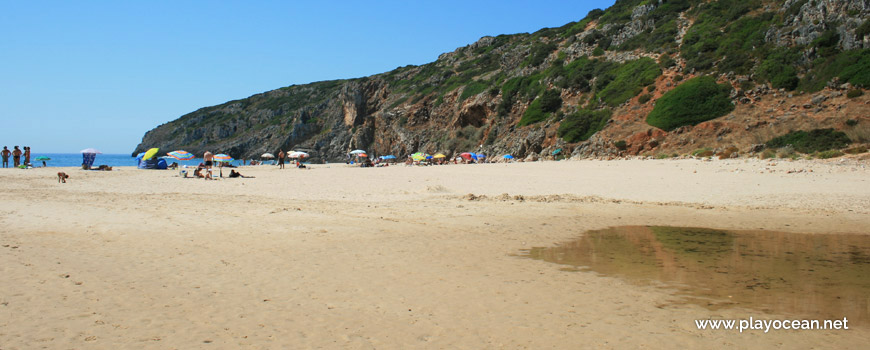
75 160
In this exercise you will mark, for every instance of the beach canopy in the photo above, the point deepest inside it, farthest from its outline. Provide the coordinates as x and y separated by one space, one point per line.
557 151
418 156
150 153
223 158
43 158
439 155
389 156
480 155
91 151
297 155
267 155
181 155
508 156
358 151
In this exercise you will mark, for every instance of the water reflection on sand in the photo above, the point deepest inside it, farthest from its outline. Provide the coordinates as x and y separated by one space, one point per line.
821 276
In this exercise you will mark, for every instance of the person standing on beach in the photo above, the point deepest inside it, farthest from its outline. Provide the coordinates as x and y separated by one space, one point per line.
5 154
208 157
26 155
280 159
16 156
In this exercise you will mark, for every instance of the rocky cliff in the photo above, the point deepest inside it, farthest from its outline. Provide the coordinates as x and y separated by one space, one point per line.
586 87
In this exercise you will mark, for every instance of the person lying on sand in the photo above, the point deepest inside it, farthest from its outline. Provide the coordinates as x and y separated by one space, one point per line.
234 173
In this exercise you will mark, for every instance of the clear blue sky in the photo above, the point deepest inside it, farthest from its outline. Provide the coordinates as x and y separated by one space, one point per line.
78 74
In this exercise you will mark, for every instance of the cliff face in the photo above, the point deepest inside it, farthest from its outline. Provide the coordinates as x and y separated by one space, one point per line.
788 64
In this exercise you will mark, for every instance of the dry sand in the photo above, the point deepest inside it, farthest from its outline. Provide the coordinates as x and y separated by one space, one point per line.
389 258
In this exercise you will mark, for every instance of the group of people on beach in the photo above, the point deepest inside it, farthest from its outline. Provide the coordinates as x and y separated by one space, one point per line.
203 170
16 154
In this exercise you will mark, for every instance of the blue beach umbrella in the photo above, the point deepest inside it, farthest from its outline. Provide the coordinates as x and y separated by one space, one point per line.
508 156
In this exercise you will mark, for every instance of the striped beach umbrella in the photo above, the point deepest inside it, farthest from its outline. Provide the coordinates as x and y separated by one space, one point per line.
223 158
181 155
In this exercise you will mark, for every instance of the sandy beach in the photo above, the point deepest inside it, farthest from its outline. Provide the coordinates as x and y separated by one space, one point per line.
400 257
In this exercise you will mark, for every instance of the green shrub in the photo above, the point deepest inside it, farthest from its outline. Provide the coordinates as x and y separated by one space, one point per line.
539 53
856 150
863 30
629 80
767 154
472 89
778 68
540 109
620 145
852 122
644 98
854 93
581 125
703 152
828 154
849 66
695 101
551 101
817 140
598 51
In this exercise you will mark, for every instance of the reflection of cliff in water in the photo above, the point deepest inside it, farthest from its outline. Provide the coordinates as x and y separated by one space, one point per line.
813 275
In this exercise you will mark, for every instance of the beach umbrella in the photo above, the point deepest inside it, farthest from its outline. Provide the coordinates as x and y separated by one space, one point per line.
418 156
88 156
362 155
389 156
428 157
223 158
181 155
439 155
297 155
150 153
508 156
43 159
358 151
91 151
480 155
557 151
267 155
466 155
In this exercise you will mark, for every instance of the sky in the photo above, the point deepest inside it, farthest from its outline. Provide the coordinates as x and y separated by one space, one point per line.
79 74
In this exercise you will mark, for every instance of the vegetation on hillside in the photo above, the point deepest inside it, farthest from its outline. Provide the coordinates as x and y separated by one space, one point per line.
817 140
692 102
580 126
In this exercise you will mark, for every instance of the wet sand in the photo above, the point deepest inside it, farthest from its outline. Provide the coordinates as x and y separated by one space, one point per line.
387 258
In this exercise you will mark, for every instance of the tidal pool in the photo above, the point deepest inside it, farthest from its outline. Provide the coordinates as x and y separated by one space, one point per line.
815 276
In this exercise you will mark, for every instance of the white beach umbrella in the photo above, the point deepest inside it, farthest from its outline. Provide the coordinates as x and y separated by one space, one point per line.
91 150
357 151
